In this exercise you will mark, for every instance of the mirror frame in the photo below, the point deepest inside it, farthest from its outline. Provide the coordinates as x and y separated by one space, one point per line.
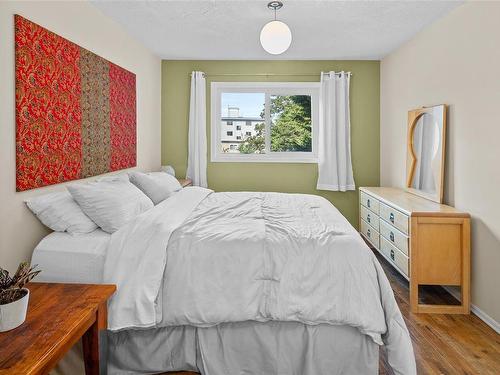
411 160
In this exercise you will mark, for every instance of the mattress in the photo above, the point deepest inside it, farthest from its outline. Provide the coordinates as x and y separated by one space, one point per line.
63 257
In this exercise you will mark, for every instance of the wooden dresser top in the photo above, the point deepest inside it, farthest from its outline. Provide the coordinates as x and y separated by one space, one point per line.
410 204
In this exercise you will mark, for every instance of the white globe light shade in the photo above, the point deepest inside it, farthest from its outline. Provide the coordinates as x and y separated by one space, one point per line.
275 37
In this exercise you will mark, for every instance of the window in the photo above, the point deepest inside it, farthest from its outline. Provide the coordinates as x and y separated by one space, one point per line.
229 123
229 134
282 116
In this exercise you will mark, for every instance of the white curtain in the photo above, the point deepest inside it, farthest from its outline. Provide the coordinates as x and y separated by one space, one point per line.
197 147
334 144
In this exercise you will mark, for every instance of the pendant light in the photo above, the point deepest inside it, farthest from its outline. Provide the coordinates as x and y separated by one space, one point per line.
275 36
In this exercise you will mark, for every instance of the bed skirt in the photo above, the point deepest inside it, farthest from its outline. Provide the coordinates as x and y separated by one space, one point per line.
273 348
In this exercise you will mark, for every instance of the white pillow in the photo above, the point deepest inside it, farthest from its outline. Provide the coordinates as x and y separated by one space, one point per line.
61 213
112 202
158 186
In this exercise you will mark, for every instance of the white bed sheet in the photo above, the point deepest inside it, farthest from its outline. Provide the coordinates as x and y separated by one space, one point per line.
63 257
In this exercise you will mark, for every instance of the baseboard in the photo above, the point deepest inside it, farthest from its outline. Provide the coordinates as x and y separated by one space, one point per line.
477 311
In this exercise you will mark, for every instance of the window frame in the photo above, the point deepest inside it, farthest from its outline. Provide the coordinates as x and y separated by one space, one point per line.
267 88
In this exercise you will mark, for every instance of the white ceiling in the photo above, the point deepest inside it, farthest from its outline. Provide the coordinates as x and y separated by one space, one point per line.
322 30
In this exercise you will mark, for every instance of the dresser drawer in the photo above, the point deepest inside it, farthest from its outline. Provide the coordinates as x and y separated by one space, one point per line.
370 233
370 217
394 236
369 202
394 217
394 255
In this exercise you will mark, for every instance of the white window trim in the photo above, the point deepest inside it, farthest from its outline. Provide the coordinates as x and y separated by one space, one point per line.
281 88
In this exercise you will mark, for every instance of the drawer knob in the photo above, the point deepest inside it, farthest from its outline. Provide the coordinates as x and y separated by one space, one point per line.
368 232
391 236
391 217
392 254
368 202
368 218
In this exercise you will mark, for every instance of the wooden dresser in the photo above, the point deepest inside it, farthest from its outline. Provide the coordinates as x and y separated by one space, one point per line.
427 242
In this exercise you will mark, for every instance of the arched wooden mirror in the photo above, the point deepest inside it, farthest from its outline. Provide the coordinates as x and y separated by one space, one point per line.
425 154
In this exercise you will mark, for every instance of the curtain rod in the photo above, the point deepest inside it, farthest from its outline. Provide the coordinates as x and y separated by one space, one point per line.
266 74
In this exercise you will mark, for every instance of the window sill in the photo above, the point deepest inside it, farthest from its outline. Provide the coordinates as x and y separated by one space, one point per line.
256 159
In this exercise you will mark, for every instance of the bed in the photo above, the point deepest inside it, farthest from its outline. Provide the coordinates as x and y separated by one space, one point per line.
226 283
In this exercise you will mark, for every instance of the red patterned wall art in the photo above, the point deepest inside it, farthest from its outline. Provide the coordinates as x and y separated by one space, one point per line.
75 111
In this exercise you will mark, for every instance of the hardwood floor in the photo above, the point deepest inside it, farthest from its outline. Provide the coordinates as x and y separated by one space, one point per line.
443 344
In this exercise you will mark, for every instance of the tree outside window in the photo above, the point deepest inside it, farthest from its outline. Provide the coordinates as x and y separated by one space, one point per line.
290 126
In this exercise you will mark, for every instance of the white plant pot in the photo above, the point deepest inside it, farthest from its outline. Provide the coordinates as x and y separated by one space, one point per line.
13 314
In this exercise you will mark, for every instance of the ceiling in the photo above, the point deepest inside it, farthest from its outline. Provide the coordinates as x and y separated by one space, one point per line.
226 30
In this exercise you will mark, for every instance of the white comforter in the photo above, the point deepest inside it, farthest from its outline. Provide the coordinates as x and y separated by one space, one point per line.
203 258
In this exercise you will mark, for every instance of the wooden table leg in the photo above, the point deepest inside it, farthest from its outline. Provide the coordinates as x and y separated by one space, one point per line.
91 341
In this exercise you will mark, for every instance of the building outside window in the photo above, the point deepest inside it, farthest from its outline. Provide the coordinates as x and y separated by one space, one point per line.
232 137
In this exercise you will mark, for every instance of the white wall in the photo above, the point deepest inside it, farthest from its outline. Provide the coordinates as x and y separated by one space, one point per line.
83 24
455 61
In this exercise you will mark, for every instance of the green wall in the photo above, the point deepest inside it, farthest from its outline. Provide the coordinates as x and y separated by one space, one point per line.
281 177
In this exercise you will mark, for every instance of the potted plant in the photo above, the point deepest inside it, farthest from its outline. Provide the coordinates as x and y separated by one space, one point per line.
14 296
